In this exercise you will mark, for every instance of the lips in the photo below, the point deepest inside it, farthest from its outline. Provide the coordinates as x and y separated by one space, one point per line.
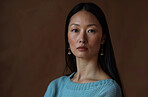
82 48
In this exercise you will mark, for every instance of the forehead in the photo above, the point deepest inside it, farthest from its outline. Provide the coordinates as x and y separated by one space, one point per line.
84 17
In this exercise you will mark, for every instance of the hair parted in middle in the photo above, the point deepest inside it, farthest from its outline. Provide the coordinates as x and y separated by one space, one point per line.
107 61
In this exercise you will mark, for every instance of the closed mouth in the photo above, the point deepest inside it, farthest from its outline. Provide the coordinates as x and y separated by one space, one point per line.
82 48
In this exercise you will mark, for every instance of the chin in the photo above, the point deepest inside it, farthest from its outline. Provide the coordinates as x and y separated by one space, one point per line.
82 56
85 55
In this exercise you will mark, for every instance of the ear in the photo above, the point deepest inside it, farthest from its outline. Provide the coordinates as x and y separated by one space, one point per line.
103 39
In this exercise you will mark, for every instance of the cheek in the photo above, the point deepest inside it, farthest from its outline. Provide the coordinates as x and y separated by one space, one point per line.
71 40
96 40
95 43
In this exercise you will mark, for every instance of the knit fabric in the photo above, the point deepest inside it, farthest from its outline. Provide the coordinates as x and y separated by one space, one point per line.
64 87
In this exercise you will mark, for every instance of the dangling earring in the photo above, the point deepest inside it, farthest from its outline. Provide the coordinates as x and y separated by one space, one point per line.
102 52
69 52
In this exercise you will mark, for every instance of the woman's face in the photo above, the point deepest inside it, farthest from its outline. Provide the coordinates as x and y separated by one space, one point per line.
84 35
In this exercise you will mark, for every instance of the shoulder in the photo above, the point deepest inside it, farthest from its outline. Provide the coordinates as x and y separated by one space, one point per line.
59 80
54 86
110 89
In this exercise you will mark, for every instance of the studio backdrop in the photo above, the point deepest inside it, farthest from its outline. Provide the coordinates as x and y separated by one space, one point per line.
32 44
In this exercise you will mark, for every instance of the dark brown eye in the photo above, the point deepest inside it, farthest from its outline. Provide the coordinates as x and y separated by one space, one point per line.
74 30
91 30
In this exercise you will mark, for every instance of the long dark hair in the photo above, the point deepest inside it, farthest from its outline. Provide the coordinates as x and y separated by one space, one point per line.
107 61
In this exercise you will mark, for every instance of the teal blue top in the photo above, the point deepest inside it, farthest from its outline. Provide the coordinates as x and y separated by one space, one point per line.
64 87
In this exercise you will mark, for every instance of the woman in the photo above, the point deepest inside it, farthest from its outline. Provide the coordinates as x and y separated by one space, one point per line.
89 56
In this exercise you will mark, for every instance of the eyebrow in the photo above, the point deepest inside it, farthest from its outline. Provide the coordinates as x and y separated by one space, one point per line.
87 25
75 24
92 25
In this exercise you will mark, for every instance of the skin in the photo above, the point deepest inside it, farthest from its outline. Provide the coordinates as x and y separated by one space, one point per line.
85 30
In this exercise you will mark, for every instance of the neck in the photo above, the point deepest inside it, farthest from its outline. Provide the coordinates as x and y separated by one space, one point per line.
87 68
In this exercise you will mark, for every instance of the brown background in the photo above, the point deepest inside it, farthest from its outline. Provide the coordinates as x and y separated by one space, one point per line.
32 44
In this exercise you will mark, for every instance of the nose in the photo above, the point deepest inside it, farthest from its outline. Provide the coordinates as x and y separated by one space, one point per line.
82 41
83 38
